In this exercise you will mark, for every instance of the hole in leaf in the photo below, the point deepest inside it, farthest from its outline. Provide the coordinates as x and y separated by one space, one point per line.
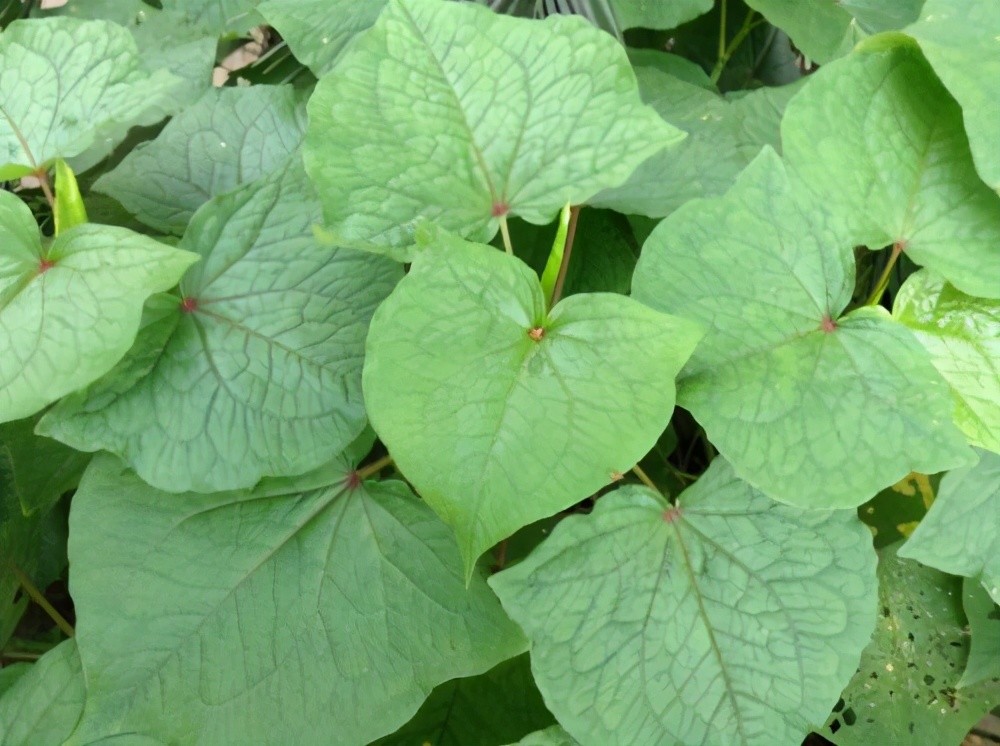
834 726
850 718
928 679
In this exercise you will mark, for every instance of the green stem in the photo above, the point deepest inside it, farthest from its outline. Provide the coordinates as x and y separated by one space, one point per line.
43 603
644 478
681 475
506 234
15 655
557 291
725 53
374 468
722 31
883 280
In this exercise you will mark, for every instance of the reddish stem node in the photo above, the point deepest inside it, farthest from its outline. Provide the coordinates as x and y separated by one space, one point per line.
500 209
189 305
828 325
537 333
45 265
353 480
672 514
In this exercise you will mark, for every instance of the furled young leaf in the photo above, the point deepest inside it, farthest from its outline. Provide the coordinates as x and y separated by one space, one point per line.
604 251
961 38
257 371
303 608
906 690
450 112
485 710
984 639
500 413
962 334
961 533
878 141
44 706
228 137
69 311
797 397
724 135
551 736
318 31
727 618
70 89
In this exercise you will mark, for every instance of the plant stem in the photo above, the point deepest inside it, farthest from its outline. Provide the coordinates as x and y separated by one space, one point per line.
644 478
681 475
43 180
15 655
43 603
726 53
722 34
883 280
374 468
506 234
574 215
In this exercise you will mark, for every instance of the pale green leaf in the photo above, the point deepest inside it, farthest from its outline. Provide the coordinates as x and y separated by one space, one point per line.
485 710
906 690
42 708
984 636
724 135
167 40
962 335
318 31
228 137
726 618
69 311
303 608
796 396
71 89
10 674
657 14
500 413
257 371
961 38
961 533
219 17
552 736
880 144
446 111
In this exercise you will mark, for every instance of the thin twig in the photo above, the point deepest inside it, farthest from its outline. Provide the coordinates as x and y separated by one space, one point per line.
43 603
644 478
883 280
373 468
738 39
505 231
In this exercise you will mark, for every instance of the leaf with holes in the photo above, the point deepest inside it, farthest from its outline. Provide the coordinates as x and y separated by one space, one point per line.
500 413
726 618
724 135
257 371
794 394
489 709
962 335
230 136
69 311
961 39
879 143
44 705
446 111
907 687
342 601
961 533
71 89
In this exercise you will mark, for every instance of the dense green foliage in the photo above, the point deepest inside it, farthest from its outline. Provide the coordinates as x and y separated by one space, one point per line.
488 375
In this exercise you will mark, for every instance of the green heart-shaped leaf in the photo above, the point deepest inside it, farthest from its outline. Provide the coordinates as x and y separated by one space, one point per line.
69 311
308 610
44 705
962 335
228 137
726 618
961 39
961 532
69 87
450 112
797 397
269 333
500 413
880 144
